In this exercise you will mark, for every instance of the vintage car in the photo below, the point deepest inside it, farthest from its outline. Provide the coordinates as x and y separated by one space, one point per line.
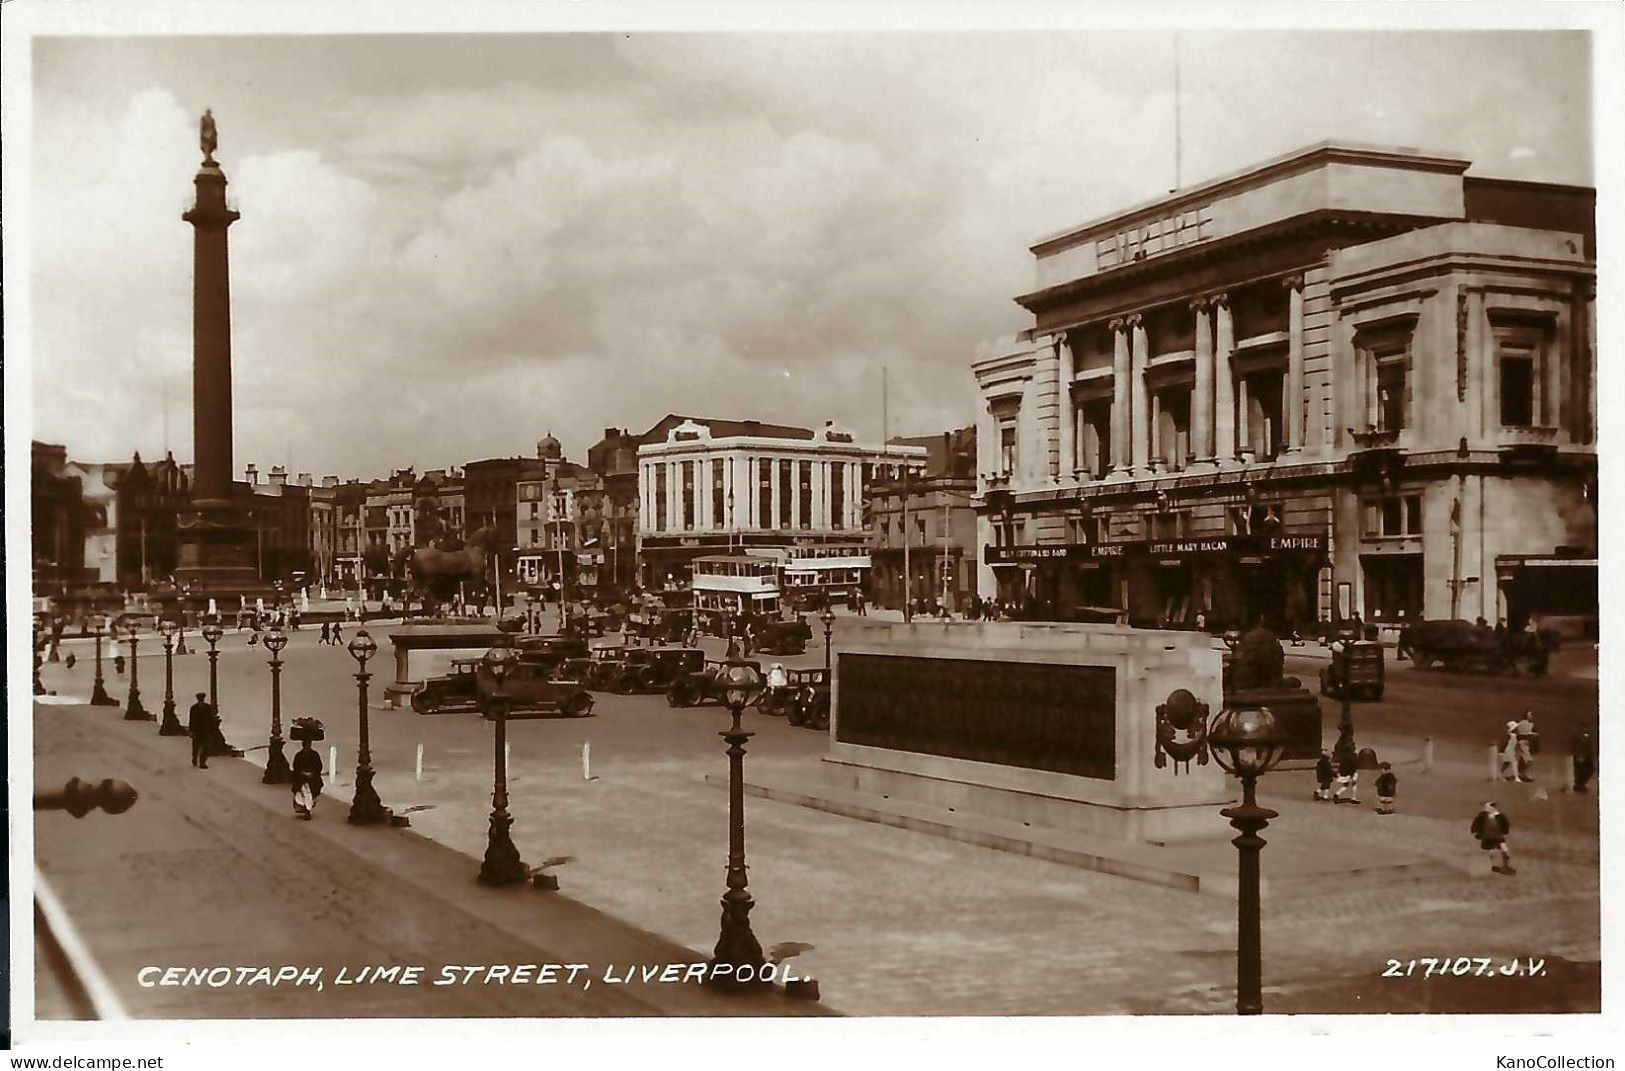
652 669
783 637
1464 646
551 653
1358 667
456 690
531 691
702 685
779 702
809 705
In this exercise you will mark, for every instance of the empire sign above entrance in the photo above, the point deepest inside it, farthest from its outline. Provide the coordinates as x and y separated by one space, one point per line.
1239 546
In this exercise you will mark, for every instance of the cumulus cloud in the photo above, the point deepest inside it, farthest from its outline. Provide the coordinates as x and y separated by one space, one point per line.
439 267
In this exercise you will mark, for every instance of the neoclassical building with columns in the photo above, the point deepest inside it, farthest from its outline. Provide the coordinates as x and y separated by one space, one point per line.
1349 380
715 486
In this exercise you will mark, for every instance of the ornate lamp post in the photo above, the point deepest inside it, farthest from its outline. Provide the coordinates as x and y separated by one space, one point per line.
212 633
827 616
276 763
1248 744
98 693
134 711
737 945
171 724
365 807
502 865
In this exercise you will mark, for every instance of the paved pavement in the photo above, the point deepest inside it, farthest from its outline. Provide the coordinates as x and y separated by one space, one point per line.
902 923
210 869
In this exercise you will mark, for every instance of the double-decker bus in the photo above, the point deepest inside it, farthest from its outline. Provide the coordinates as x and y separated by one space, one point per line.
816 576
727 584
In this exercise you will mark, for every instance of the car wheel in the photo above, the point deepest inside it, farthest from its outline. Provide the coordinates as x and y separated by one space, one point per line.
797 713
819 718
675 696
421 703
579 705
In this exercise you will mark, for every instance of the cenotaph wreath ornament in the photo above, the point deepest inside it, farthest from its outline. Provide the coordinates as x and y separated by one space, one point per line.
1181 731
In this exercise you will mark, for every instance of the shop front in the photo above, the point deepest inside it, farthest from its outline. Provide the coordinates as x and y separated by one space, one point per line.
1224 582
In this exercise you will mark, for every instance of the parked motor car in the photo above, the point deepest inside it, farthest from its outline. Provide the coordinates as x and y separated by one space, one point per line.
810 705
783 637
551 652
652 669
704 685
531 691
452 691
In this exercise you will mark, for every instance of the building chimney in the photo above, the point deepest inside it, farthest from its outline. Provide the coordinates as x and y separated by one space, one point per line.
330 481
253 476
304 479
278 476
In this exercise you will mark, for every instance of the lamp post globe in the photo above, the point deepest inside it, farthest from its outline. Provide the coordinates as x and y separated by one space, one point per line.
98 693
133 710
737 946
1247 743
366 808
502 864
277 771
171 725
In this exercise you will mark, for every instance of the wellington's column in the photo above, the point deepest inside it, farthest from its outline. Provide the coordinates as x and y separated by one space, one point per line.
211 329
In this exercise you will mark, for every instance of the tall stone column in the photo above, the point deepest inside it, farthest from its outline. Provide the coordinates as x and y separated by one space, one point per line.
211 336
1224 387
1121 395
1202 399
1066 371
1140 410
1294 364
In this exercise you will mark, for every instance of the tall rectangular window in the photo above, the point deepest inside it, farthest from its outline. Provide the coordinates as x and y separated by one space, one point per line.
787 489
1172 429
1007 448
688 495
804 491
1392 397
721 515
764 494
837 494
661 497
1095 437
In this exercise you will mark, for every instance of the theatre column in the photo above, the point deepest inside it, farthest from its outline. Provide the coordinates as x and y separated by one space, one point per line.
1202 401
1140 411
1224 385
1294 363
1065 411
1121 393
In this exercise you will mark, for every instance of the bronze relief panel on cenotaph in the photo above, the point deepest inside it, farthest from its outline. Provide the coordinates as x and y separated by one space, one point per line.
1029 715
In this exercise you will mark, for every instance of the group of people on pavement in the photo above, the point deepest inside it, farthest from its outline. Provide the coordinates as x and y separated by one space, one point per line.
1337 779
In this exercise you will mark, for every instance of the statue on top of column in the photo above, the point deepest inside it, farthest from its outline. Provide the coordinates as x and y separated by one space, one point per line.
208 138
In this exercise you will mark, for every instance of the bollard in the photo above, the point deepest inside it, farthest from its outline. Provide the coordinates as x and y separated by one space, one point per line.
1568 779
1495 763
333 762
1427 754
586 760
418 769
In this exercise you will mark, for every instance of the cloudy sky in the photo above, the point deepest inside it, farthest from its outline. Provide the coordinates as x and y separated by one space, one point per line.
452 244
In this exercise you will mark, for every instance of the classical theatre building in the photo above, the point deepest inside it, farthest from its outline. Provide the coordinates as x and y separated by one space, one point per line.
1348 380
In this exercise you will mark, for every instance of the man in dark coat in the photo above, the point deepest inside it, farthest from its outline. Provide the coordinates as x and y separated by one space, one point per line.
1324 774
201 723
1585 760
307 779
1491 827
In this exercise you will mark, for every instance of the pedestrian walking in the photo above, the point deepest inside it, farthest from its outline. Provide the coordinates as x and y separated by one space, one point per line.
1509 753
254 637
118 664
1527 743
1348 777
1491 827
307 779
1585 759
338 633
1324 774
201 723
1387 786
327 633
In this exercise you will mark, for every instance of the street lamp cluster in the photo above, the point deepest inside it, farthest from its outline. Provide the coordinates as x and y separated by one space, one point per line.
1246 742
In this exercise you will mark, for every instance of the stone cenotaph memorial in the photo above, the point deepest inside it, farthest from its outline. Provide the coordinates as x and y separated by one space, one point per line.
1049 724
